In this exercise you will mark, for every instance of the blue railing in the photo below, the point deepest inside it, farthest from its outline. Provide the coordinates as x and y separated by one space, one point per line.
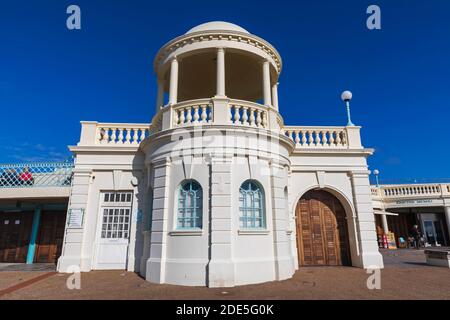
39 174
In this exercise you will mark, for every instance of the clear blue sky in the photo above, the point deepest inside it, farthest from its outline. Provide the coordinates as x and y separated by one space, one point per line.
51 78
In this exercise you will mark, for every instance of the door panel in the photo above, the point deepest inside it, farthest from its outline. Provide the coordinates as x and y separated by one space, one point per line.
322 237
438 227
430 233
15 231
50 237
112 255
113 231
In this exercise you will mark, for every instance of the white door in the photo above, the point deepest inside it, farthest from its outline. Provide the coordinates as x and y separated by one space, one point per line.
114 230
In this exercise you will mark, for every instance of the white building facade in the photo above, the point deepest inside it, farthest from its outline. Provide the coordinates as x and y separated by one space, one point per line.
216 191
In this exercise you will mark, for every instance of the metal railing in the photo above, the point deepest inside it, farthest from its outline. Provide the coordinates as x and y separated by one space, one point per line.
39 174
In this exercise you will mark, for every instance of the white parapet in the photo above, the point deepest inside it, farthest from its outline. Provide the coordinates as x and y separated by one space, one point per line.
121 134
324 137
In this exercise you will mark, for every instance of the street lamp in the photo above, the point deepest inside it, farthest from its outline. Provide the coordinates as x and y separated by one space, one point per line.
384 221
346 96
376 173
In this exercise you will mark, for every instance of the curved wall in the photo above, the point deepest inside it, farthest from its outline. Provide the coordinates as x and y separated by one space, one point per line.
221 254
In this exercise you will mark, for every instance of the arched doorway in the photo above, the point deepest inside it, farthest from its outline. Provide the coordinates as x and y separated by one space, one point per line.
322 234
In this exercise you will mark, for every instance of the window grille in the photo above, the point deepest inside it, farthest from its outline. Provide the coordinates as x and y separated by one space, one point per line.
116 213
189 206
251 206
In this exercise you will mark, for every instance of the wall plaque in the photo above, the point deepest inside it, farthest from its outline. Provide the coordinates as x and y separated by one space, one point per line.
75 219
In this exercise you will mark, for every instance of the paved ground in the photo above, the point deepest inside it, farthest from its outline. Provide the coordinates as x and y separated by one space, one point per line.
27 267
406 276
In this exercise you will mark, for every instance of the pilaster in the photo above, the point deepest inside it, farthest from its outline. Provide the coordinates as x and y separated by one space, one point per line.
221 267
73 238
369 255
155 271
280 223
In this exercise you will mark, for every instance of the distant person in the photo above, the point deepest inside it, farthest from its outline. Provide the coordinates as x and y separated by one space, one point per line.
411 242
415 233
26 177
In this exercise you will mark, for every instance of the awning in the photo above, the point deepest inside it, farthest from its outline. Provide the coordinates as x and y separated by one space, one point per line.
385 213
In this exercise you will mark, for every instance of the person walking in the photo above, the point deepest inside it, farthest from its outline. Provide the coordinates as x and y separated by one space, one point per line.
415 233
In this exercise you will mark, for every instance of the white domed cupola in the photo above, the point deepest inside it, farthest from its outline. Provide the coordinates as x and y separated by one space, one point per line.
217 26
219 73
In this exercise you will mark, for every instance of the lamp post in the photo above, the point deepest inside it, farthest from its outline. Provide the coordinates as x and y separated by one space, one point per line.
376 173
346 96
384 221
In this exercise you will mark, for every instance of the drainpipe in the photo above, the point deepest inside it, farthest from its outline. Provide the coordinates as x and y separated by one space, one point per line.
34 233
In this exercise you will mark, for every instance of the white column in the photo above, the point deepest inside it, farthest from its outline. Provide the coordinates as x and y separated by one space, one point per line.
275 96
160 97
385 224
447 218
220 83
266 83
173 91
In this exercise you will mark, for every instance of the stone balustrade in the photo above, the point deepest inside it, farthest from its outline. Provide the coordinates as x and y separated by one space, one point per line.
201 112
318 137
244 113
121 133
193 112
221 111
375 191
411 191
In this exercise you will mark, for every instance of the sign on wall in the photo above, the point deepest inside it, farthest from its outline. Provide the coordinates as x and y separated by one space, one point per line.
75 218
391 241
425 201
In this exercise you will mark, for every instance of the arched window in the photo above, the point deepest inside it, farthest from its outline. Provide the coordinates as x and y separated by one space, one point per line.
251 206
189 206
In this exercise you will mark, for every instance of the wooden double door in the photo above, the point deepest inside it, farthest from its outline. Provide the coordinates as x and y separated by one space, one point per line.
15 232
50 237
322 234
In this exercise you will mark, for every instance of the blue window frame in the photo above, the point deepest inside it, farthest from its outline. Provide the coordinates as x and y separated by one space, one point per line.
189 206
251 206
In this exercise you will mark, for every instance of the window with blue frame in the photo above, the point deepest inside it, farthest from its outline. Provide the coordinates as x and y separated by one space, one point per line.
189 206
251 206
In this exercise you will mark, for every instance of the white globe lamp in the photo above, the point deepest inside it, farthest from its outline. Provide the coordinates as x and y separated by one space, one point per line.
346 96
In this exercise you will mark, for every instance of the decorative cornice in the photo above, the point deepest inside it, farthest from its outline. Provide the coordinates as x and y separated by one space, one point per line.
333 151
105 148
201 36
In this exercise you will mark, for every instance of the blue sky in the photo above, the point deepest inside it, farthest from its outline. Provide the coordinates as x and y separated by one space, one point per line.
51 78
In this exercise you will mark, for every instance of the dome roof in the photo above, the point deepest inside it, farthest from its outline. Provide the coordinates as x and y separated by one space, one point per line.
217 26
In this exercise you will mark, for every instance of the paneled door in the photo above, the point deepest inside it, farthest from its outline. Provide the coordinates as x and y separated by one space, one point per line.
113 230
50 237
15 231
322 235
